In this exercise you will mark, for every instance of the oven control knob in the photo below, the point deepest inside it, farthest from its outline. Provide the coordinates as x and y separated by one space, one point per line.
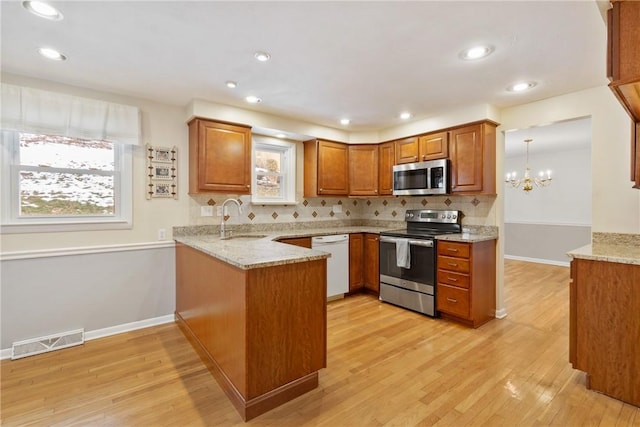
448 216
443 216
455 216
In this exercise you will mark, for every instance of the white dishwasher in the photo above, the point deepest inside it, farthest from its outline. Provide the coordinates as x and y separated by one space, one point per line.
337 264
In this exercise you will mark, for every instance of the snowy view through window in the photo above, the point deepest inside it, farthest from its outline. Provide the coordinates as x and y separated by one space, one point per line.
62 176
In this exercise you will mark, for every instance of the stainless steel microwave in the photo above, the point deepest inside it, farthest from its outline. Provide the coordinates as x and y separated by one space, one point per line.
421 178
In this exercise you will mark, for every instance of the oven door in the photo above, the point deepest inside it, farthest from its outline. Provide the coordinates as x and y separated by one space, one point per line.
423 260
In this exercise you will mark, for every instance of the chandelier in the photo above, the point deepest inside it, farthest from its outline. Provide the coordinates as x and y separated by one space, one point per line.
527 181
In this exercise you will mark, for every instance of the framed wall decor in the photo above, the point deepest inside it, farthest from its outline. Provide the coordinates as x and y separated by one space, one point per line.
162 172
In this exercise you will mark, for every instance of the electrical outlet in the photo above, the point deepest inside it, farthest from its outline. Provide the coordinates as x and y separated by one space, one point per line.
206 210
162 235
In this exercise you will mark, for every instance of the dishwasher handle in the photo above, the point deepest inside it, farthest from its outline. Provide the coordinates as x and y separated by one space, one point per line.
328 240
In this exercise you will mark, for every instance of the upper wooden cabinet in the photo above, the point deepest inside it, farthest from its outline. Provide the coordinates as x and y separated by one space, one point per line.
433 146
623 68
219 157
363 170
472 151
422 148
326 168
386 160
406 150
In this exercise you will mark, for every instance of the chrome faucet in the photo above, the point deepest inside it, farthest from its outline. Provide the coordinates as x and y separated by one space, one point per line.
223 233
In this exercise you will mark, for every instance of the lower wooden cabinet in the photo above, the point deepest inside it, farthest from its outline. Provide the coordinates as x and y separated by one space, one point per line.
363 263
466 281
304 242
372 262
356 262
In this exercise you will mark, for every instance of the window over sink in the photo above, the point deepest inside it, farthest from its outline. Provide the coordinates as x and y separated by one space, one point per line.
274 171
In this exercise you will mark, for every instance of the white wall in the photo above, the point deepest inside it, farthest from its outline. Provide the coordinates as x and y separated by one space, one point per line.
615 206
567 200
162 125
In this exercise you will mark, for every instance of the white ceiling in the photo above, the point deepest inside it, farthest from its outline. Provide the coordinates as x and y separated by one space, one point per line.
561 136
359 59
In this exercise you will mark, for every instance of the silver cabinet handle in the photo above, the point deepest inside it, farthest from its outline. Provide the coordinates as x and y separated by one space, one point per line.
452 264
452 300
453 279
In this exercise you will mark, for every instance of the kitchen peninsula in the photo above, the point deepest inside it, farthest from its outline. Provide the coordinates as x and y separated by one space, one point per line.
256 314
604 336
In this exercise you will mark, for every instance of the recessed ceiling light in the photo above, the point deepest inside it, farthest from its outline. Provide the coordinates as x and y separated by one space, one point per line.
476 52
280 135
252 99
262 56
345 121
521 86
51 54
43 10
405 115
231 84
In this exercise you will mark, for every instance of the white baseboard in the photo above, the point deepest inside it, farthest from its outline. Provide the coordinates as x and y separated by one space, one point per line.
112 330
537 260
501 314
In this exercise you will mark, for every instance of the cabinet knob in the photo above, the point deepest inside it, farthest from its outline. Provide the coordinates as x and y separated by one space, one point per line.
424 157
415 157
375 191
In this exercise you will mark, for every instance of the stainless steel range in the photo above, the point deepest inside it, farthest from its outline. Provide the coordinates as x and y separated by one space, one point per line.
408 259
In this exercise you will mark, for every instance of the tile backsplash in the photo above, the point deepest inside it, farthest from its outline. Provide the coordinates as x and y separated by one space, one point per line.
477 210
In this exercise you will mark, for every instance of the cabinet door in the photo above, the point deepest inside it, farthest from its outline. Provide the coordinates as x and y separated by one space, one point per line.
372 262
635 156
434 146
406 150
356 261
363 170
220 157
386 160
466 159
333 168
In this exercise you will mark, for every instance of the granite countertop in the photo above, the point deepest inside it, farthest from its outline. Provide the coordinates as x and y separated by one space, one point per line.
467 237
611 247
256 249
248 250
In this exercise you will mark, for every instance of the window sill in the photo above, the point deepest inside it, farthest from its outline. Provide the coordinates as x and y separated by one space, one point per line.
56 227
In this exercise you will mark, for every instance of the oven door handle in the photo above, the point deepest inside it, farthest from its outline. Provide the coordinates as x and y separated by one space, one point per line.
423 243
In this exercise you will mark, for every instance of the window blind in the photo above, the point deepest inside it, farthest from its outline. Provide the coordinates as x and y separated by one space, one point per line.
38 111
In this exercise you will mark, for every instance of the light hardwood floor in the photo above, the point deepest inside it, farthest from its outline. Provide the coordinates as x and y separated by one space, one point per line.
386 367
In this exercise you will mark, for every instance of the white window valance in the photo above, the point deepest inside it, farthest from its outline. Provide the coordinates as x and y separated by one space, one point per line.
37 111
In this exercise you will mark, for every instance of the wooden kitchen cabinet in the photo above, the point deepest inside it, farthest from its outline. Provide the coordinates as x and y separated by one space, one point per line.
304 242
363 170
372 263
386 161
623 68
466 281
407 150
433 146
472 151
356 262
219 157
326 168
604 326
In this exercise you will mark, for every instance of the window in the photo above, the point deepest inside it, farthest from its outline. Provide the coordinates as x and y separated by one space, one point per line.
274 171
57 183
66 161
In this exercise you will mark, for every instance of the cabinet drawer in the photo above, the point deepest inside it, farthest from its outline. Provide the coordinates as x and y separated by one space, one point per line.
453 300
454 279
453 249
460 265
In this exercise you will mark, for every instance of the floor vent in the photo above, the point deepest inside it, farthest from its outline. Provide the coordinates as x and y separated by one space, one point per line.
35 346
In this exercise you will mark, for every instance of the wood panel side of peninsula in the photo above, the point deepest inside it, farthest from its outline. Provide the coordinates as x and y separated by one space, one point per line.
604 336
261 332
